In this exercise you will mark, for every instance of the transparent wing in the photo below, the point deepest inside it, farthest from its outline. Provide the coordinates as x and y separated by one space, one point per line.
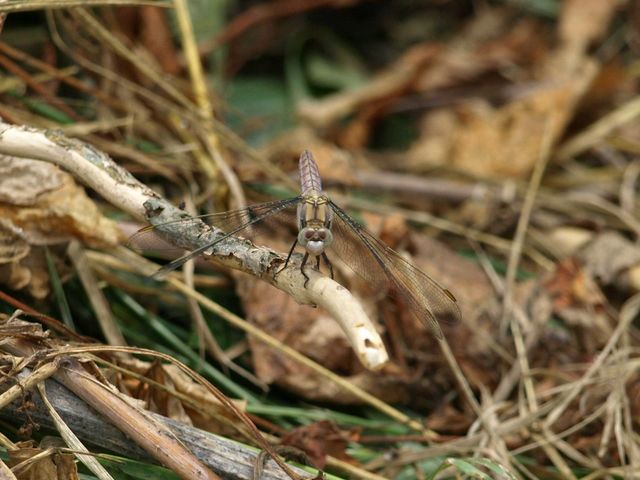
383 268
226 221
250 222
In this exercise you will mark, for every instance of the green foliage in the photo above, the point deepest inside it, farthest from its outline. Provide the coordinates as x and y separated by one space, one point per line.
472 468
126 469
58 291
259 108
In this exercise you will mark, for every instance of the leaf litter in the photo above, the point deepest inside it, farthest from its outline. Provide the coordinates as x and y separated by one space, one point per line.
558 386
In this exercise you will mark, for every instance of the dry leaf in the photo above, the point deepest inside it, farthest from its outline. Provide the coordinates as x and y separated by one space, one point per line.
12 246
206 412
318 440
42 205
23 182
448 420
491 41
505 142
585 21
578 301
572 286
609 255
566 240
30 272
51 215
304 328
465 278
60 466
481 46
157 399
581 23
502 142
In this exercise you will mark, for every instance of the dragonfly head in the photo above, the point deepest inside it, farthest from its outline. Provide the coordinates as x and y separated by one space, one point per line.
315 239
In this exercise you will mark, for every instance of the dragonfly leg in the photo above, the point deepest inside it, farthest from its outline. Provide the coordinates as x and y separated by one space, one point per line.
328 262
290 253
286 262
318 263
304 261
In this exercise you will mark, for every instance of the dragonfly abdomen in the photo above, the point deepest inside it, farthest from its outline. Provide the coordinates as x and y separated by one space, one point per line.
309 174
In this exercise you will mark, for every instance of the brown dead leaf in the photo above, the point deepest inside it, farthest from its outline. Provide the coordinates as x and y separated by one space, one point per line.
571 286
22 181
160 400
434 144
582 22
36 263
505 142
30 272
491 41
614 84
463 277
471 339
42 205
578 301
52 215
307 329
318 440
448 420
204 411
608 256
482 371
15 276
12 246
502 142
55 465
481 46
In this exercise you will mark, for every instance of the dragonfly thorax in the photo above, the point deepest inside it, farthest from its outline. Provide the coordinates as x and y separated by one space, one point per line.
314 223
315 239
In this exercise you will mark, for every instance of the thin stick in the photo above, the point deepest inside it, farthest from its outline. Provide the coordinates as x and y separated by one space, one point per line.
627 315
599 130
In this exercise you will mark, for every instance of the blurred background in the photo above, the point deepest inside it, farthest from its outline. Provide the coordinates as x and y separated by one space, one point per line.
494 144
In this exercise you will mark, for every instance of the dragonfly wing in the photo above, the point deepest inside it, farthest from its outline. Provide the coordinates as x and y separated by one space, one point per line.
382 267
247 222
225 221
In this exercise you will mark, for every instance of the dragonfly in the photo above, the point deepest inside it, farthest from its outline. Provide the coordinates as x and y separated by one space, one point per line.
325 229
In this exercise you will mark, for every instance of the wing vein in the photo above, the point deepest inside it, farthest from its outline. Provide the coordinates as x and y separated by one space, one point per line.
194 253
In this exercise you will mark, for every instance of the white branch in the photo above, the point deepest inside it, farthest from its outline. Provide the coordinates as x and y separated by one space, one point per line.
98 171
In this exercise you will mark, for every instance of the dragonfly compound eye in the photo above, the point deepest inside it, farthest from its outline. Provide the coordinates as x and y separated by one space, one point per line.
305 236
327 237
